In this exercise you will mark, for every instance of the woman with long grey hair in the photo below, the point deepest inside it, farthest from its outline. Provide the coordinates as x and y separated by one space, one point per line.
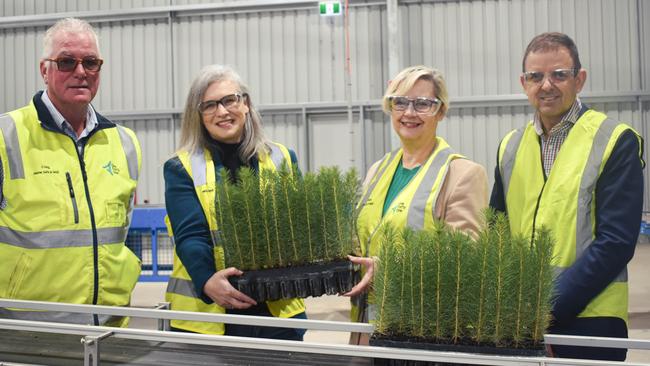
221 129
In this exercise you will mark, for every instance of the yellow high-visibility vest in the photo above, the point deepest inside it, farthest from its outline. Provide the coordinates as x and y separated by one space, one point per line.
414 206
180 290
63 228
565 201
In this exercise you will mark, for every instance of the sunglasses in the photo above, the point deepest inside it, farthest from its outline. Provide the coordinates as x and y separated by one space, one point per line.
68 64
556 76
230 101
420 104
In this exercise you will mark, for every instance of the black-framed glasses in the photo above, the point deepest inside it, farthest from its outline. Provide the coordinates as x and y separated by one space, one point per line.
230 101
68 64
555 76
420 104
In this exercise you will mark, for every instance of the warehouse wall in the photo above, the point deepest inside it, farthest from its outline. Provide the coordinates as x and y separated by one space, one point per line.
293 60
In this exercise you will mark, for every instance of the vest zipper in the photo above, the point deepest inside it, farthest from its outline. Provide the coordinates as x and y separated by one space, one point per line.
72 198
82 166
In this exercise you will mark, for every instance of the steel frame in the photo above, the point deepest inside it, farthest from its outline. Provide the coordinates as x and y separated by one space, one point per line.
93 335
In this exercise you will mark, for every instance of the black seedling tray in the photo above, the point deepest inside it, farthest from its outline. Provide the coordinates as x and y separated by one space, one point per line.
304 281
465 346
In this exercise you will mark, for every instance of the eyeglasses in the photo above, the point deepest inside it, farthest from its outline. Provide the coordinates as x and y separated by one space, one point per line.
555 76
68 64
420 104
229 102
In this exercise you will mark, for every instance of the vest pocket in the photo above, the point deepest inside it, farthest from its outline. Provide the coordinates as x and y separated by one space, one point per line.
115 213
72 198
18 275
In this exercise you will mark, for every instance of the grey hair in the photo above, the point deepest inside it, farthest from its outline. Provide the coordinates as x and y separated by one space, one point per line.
405 79
194 135
66 25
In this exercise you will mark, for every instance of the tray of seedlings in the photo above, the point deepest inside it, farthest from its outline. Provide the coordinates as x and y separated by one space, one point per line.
290 233
442 290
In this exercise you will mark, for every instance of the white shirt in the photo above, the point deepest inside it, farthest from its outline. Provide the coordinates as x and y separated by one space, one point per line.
65 126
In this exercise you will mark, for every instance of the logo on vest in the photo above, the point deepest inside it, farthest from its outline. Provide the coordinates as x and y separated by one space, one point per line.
111 168
399 207
46 169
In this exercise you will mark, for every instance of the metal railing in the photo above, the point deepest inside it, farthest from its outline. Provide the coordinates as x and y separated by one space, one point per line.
93 336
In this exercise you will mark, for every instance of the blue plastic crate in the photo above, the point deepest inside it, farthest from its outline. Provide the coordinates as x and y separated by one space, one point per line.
148 239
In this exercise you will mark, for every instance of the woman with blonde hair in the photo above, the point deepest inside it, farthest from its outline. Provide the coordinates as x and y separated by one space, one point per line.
422 181
221 129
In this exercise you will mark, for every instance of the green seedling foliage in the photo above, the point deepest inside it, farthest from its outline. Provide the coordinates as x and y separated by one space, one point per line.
542 250
249 221
281 218
441 284
231 223
268 252
219 206
350 197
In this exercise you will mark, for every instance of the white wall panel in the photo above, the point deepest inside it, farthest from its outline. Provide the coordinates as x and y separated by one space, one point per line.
20 51
479 44
136 74
33 7
295 57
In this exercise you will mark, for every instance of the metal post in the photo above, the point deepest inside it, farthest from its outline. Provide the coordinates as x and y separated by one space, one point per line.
163 324
91 348
392 15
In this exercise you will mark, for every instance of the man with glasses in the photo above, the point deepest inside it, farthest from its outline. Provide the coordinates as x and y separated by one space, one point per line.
67 186
578 173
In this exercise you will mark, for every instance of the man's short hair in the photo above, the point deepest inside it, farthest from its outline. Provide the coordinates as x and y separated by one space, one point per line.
67 25
551 41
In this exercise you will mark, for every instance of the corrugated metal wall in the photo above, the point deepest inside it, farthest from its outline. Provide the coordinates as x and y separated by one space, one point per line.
293 61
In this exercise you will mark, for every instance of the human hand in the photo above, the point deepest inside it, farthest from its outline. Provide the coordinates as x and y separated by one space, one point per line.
223 294
369 264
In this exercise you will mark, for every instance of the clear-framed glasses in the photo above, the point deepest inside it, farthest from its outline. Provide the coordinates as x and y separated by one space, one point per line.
230 101
68 64
420 104
555 76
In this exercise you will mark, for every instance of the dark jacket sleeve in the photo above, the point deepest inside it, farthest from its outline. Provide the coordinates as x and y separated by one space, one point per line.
498 196
619 204
189 225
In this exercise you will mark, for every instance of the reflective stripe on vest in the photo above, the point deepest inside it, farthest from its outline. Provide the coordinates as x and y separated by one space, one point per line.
509 157
416 212
8 127
61 238
181 287
373 182
58 317
130 151
276 156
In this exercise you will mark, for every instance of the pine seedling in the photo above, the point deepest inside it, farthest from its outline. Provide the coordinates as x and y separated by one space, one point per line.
249 184
287 186
485 283
543 252
266 208
230 225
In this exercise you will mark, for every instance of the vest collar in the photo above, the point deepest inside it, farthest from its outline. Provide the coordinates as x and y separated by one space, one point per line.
47 121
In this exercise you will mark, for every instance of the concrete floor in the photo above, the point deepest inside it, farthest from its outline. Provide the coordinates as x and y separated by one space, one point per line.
336 308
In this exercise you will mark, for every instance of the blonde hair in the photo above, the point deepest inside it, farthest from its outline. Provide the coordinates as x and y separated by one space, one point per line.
195 137
66 25
405 79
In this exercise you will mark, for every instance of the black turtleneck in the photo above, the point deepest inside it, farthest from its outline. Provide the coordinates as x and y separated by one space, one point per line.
228 154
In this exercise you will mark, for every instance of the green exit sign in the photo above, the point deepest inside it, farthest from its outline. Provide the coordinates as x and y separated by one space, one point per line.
328 8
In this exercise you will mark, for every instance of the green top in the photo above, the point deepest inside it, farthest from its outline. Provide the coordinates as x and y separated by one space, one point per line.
401 178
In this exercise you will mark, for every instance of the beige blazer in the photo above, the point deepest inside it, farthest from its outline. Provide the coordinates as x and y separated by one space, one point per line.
463 195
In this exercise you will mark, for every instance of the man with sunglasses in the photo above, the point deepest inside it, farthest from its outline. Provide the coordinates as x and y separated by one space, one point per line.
578 173
67 186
